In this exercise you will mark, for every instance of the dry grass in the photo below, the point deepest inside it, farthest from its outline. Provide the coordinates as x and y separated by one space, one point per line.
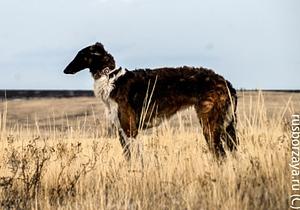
57 154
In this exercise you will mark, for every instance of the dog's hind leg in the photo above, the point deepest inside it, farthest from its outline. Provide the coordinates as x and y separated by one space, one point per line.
218 121
229 132
230 137
212 133
211 119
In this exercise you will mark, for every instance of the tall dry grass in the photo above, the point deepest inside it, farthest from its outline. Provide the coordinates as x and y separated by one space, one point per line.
76 166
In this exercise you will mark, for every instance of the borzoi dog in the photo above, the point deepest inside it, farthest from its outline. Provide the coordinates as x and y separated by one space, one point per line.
167 90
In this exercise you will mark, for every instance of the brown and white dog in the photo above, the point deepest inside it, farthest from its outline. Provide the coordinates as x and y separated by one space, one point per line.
163 91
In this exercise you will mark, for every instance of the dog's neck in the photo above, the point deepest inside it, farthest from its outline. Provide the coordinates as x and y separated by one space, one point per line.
106 72
105 83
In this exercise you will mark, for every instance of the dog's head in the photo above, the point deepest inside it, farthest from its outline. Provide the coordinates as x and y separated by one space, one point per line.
93 57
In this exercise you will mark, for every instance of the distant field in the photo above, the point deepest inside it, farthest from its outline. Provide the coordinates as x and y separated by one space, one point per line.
46 111
59 153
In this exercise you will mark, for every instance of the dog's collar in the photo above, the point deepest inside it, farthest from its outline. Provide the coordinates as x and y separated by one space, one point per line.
106 72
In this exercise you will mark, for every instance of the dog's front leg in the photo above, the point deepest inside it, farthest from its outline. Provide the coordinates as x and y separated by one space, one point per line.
125 143
114 114
128 128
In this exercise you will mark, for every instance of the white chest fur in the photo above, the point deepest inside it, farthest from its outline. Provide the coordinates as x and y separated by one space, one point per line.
102 89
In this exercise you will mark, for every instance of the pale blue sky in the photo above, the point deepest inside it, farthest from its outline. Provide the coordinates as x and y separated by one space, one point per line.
253 43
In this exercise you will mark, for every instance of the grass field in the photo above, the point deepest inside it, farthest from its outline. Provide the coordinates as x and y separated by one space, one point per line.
61 154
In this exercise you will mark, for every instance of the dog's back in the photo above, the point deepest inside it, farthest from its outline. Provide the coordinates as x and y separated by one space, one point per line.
173 88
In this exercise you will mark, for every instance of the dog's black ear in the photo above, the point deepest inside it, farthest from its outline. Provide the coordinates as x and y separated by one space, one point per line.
98 44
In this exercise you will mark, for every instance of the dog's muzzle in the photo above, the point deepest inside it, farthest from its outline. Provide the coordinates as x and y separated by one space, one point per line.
66 71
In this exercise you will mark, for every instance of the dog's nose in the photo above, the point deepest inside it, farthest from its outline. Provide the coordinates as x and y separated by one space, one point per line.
66 71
